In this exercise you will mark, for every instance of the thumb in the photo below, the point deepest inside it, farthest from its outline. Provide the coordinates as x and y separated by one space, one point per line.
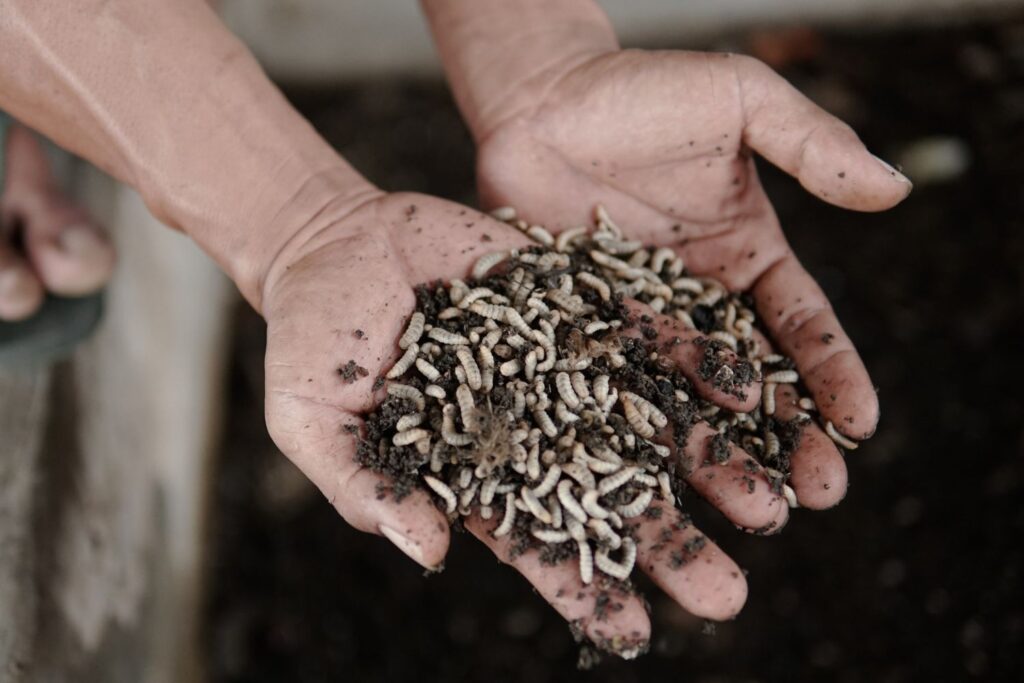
818 149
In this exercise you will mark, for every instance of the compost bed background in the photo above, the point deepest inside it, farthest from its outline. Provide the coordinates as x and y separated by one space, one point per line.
915 576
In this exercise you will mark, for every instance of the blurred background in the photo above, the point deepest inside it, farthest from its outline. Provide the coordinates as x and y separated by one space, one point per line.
240 572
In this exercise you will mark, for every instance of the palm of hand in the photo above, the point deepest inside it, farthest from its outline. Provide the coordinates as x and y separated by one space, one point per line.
664 140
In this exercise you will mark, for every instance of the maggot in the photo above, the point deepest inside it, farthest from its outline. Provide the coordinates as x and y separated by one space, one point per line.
472 370
563 383
407 392
550 535
782 377
427 369
563 241
534 505
547 485
448 432
441 489
410 436
617 570
590 505
614 481
508 520
586 561
595 283
834 434
569 503
467 408
405 362
641 426
637 506
768 398
488 261
409 421
413 331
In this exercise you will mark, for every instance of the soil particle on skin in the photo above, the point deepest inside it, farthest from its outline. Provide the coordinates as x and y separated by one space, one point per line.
718 449
351 372
732 376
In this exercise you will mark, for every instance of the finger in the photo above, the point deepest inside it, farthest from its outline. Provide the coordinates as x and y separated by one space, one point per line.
21 293
730 480
321 440
807 142
71 260
688 566
625 627
818 470
804 326
680 343
71 256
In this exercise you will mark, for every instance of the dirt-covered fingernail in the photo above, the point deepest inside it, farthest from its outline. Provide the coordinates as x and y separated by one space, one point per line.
891 170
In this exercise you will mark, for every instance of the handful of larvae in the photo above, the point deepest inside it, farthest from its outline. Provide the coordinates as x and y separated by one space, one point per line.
530 393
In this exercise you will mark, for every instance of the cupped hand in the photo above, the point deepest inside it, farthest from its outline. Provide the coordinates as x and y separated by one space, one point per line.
664 140
335 305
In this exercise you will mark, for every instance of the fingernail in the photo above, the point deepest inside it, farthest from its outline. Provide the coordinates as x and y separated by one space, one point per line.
892 171
80 240
406 545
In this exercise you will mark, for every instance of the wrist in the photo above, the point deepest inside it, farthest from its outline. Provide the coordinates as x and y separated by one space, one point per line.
318 210
503 57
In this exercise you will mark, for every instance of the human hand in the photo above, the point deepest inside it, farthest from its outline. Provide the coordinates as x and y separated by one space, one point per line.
47 243
336 303
665 141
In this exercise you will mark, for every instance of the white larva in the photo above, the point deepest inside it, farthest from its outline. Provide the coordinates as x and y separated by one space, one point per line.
563 414
434 391
790 495
533 463
583 476
595 283
547 485
441 489
634 418
768 398
530 365
782 377
409 393
590 505
534 505
665 485
601 388
578 382
509 519
617 570
436 462
540 234
614 481
504 213
472 370
486 512
772 445
405 362
413 331
488 310
488 261
427 369
564 240
726 338
510 368
555 508
550 535
513 318
410 436
661 256
569 503
407 422
807 403
442 335
586 561
563 383
467 408
448 432
545 423
450 313
596 326
488 489
637 506
605 533
834 434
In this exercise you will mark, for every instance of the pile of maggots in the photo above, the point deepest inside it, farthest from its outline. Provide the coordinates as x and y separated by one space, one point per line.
530 394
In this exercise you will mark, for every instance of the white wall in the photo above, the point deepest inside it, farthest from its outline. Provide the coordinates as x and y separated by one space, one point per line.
334 39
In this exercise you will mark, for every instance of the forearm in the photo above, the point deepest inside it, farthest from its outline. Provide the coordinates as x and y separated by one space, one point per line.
500 55
161 96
